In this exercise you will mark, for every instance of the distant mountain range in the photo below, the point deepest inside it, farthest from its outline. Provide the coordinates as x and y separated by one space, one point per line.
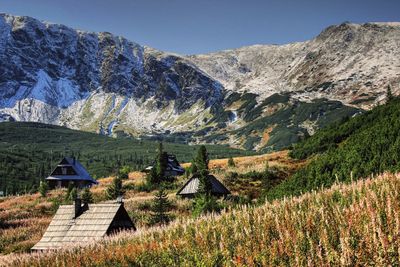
261 97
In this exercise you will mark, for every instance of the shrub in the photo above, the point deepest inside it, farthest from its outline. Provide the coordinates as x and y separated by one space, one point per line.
43 188
86 196
204 204
160 208
115 189
231 162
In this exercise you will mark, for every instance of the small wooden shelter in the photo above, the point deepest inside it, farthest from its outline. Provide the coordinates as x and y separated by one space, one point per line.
67 171
173 167
191 187
78 224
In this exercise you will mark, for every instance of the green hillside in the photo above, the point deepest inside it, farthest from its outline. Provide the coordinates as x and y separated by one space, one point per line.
358 147
29 151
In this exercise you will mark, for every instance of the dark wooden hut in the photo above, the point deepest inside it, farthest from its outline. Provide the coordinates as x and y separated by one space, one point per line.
69 170
77 224
191 187
173 167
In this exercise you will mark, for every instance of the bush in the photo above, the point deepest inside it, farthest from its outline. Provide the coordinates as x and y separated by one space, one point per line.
43 188
204 204
231 162
87 196
115 189
160 208
123 173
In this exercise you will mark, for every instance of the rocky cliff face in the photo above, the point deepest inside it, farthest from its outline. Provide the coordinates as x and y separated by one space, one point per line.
351 63
53 74
254 97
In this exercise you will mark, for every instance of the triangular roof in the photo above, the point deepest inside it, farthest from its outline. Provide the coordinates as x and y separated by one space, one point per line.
172 165
93 224
191 187
81 174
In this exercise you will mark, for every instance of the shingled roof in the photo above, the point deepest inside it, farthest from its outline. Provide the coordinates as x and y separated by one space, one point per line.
173 166
92 222
70 169
191 187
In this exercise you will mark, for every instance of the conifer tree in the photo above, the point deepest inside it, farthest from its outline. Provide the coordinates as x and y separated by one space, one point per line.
157 173
87 196
160 208
69 190
43 188
231 162
115 189
201 161
73 194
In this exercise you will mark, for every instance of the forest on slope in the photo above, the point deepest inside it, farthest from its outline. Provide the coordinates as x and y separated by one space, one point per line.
357 147
29 151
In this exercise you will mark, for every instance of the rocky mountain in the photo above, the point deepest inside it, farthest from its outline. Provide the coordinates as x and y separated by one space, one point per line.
260 97
351 63
94 81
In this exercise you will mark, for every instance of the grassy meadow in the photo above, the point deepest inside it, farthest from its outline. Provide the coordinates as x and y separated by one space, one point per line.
23 219
346 225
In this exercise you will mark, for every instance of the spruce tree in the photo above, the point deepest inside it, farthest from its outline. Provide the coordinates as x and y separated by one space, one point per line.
87 196
115 189
201 161
231 162
43 188
70 188
73 194
157 173
160 208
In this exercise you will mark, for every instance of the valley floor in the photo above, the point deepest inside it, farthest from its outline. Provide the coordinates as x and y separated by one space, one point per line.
347 225
25 218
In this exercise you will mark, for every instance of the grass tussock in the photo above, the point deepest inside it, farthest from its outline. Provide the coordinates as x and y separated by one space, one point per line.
346 225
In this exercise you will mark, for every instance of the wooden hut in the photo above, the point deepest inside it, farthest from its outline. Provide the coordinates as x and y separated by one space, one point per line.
78 224
191 187
69 170
173 167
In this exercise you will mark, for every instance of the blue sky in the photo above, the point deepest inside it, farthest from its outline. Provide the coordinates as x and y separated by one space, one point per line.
189 27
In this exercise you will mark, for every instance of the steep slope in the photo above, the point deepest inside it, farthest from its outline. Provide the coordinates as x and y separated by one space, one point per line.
347 225
365 145
349 62
258 97
96 81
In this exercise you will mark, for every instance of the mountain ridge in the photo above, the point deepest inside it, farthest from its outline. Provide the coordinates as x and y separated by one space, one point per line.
107 84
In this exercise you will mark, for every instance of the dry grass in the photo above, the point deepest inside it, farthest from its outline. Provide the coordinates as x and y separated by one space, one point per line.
26 217
346 225
256 163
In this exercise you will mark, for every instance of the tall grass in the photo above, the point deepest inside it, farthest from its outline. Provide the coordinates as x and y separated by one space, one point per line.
346 225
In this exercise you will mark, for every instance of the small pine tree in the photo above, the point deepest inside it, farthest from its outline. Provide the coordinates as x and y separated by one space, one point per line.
43 188
123 172
231 162
73 194
115 189
157 173
204 204
205 185
193 168
160 208
201 159
266 168
201 164
69 190
87 196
